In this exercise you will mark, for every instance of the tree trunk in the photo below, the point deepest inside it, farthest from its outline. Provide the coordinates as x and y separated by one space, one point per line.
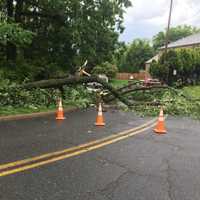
127 90
10 48
18 11
57 83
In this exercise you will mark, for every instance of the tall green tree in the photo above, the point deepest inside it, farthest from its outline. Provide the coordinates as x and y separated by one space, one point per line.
135 56
67 31
121 48
175 33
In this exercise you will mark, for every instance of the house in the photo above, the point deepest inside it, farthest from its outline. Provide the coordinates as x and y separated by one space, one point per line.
191 41
148 62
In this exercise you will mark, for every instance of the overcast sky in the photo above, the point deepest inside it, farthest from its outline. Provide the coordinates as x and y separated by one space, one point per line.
147 17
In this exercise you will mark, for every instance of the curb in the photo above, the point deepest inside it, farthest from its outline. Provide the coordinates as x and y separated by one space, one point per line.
33 115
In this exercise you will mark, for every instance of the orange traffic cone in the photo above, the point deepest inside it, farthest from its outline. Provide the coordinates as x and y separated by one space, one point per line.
60 112
160 127
100 119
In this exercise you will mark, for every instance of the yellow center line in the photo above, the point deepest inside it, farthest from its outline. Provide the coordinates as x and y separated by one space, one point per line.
76 150
25 161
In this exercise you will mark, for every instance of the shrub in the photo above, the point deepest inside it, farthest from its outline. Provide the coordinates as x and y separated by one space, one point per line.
159 71
106 68
13 96
186 62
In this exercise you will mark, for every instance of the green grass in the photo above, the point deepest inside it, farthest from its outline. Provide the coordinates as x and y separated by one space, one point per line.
192 91
118 83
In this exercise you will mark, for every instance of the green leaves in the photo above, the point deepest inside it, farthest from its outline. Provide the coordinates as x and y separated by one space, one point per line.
174 104
13 33
15 97
106 68
64 32
78 96
135 56
186 62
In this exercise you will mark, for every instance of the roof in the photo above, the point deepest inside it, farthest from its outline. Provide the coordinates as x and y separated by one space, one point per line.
186 41
156 57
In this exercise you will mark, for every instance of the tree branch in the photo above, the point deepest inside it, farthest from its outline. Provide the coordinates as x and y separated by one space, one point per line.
56 83
134 88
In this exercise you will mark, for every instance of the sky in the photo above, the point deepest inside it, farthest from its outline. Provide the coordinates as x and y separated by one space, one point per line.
147 17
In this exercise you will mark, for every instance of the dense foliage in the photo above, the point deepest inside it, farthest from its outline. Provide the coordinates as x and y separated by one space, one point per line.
186 63
45 39
13 33
174 104
110 70
135 55
59 34
13 97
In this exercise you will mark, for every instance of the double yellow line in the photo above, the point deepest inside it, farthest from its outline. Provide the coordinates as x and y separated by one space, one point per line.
29 163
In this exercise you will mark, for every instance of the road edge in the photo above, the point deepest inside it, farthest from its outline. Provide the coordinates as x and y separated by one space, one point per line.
33 115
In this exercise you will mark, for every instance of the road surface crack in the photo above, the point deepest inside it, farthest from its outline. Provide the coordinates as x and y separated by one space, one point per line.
110 188
131 171
169 182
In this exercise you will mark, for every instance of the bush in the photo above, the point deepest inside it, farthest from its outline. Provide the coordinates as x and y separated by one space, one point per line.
78 96
106 68
159 71
186 62
13 96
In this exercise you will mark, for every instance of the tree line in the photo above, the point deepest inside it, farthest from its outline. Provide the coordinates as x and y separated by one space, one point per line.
132 57
45 39
40 38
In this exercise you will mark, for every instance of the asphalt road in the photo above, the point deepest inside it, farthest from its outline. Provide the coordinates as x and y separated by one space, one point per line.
143 167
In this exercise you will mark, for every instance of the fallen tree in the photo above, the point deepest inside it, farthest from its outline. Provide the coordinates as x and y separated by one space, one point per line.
59 83
133 88
121 94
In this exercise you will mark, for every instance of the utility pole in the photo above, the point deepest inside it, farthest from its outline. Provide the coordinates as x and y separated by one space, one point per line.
167 37
168 27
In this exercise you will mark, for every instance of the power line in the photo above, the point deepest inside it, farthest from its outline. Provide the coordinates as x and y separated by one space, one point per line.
167 34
